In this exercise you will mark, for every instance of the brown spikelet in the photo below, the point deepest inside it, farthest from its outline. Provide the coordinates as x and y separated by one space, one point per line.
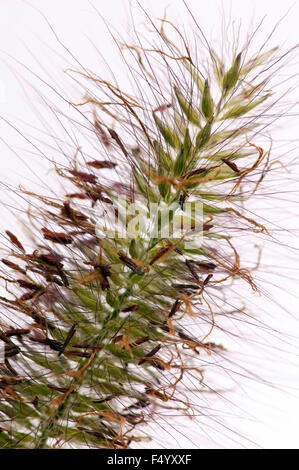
139 341
27 296
17 332
53 259
86 177
162 108
116 137
194 172
232 165
57 237
68 338
13 266
159 255
28 285
207 279
131 308
117 339
150 354
72 214
98 274
130 263
77 353
8 380
77 195
206 266
176 306
102 133
100 164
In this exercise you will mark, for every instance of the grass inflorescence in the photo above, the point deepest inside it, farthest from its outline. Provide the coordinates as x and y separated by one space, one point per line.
102 333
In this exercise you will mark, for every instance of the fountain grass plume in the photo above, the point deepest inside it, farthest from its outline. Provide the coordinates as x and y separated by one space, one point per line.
101 333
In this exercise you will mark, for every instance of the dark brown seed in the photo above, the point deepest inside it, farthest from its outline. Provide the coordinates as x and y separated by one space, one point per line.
17 332
186 286
37 339
207 227
162 108
101 273
54 279
58 389
75 216
108 398
99 164
187 338
68 338
155 393
52 343
161 325
232 165
77 353
4 337
150 354
206 266
96 195
214 346
174 308
93 433
117 339
131 308
57 237
13 266
87 346
102 134
103 199
115 136
159 254
10 368
140 341
53 259
28 285
35 401
15 241
195 172
87 177
182 200
55 345
9 380
27 296
207 279
192 270
140 404
78 195
11 350
130 263
158 365
64 278
105 272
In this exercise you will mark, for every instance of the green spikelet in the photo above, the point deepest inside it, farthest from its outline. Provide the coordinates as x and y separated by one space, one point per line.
231 77
203 135
187 108
169 135
238 111
207 102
